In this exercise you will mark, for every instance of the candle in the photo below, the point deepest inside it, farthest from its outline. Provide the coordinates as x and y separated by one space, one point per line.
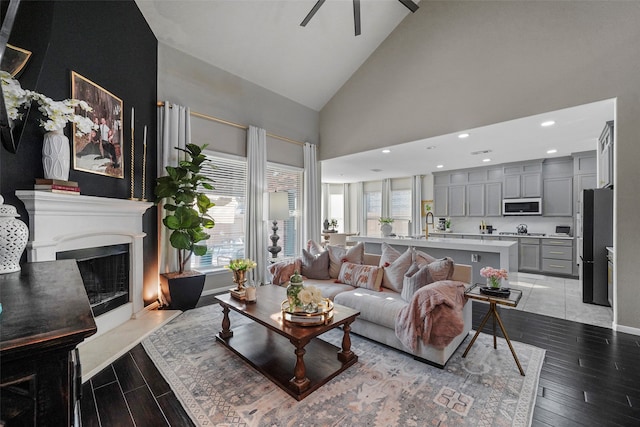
132 120
144 162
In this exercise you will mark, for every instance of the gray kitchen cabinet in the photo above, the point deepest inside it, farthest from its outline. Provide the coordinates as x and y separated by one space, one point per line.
529 254
558 197
583 182
605 156
457 200
523 180
476 199
493 199
440 200
558 256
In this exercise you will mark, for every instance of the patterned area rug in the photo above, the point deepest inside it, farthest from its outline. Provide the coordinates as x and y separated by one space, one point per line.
384 388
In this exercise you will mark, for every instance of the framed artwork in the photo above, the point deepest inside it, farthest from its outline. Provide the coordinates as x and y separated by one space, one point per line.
14 59
100 151
427 206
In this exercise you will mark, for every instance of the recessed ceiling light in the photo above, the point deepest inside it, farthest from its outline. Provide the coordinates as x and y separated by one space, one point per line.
547 123
463 135
552 151
431 147
486 160
440 166
385 151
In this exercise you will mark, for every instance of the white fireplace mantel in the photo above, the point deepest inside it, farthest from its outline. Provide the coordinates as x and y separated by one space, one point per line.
62 222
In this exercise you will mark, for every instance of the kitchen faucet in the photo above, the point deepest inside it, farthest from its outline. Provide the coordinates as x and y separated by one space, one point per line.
426 228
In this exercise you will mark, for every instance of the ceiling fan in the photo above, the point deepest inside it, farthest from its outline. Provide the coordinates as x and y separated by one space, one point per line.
356 12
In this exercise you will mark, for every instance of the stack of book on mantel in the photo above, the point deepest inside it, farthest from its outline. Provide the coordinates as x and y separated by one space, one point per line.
57 186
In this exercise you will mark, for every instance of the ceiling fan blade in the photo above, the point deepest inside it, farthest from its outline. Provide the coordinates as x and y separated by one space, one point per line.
356 16
410 5
313 11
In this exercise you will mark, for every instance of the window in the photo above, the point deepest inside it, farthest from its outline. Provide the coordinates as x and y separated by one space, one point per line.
336 206
287 179
373 211
401 211
227 239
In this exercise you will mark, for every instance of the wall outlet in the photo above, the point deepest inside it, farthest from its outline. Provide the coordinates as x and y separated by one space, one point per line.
475 257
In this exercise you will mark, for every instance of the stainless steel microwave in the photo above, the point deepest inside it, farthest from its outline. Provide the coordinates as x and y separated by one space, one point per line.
532 206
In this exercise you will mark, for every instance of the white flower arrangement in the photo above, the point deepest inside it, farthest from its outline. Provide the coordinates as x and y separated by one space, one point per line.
58 113
310 294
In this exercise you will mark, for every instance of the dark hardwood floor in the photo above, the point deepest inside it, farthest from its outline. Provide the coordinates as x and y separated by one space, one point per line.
590 377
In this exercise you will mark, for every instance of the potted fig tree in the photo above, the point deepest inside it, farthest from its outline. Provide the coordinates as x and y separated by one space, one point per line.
187 217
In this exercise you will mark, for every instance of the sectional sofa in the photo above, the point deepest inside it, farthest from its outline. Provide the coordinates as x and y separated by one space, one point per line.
409 301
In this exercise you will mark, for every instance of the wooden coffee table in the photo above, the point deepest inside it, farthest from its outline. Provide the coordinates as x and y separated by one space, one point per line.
291 356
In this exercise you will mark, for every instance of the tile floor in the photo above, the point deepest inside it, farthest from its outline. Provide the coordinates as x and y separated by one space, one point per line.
558 297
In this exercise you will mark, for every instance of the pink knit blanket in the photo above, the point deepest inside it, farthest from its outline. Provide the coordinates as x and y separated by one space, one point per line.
434 315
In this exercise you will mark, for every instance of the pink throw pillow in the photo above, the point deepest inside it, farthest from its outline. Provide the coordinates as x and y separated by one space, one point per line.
283 270
361 276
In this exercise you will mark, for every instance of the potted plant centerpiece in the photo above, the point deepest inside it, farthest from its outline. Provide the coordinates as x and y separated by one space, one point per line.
385 226
187 217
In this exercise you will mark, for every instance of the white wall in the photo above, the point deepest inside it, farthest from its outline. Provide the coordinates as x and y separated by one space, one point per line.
456 65
185 80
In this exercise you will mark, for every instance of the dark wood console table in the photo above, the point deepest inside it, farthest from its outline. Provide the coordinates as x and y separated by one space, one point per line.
45 315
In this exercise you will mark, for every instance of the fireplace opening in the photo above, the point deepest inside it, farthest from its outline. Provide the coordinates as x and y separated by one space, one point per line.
105 273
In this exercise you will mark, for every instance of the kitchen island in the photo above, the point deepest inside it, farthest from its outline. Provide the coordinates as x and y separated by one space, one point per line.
474 252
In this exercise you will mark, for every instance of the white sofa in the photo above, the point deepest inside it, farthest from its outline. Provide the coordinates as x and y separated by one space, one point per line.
379 310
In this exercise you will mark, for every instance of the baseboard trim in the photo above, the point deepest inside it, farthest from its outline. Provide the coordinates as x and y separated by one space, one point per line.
626 329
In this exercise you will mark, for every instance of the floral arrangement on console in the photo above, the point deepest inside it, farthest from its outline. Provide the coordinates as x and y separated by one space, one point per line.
241 264
385 220
494 276
57 113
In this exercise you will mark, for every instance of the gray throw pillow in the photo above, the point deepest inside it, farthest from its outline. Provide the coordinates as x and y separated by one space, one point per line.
315 266
415 278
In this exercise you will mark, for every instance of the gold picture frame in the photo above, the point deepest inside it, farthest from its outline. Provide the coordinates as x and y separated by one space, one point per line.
14 59
426 206
100 151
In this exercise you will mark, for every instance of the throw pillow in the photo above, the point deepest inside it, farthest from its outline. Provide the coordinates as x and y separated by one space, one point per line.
315 266
415 278
423 258
418 276
339 254
361 276
395 266
314 247
441 269
283 270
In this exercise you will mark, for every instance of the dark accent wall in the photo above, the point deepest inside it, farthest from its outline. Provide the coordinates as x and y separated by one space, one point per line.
111 44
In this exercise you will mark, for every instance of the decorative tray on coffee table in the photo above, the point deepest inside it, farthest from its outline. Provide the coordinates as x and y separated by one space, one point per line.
321 316
495 292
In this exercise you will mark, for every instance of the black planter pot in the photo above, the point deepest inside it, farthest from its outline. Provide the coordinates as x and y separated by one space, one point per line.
182 292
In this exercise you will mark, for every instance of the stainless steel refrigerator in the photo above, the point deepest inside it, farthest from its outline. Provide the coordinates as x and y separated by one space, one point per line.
597 234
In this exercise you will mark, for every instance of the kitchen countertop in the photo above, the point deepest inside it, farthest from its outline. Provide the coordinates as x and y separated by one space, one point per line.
480 235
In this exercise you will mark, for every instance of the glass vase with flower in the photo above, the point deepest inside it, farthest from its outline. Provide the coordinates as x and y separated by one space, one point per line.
494 276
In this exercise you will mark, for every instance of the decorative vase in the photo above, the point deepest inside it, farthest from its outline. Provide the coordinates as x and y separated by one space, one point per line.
239 278
56 155
293 289
13 238
494 282
386 229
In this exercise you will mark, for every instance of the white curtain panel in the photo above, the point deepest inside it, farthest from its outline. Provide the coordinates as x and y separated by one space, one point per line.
416 211
359 196
346 208
255 225
312 223
386 198
174 130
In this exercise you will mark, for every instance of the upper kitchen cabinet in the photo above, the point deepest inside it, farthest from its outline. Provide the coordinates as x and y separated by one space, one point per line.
585 167
605 156
557 186
493 199
523 180
440 200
